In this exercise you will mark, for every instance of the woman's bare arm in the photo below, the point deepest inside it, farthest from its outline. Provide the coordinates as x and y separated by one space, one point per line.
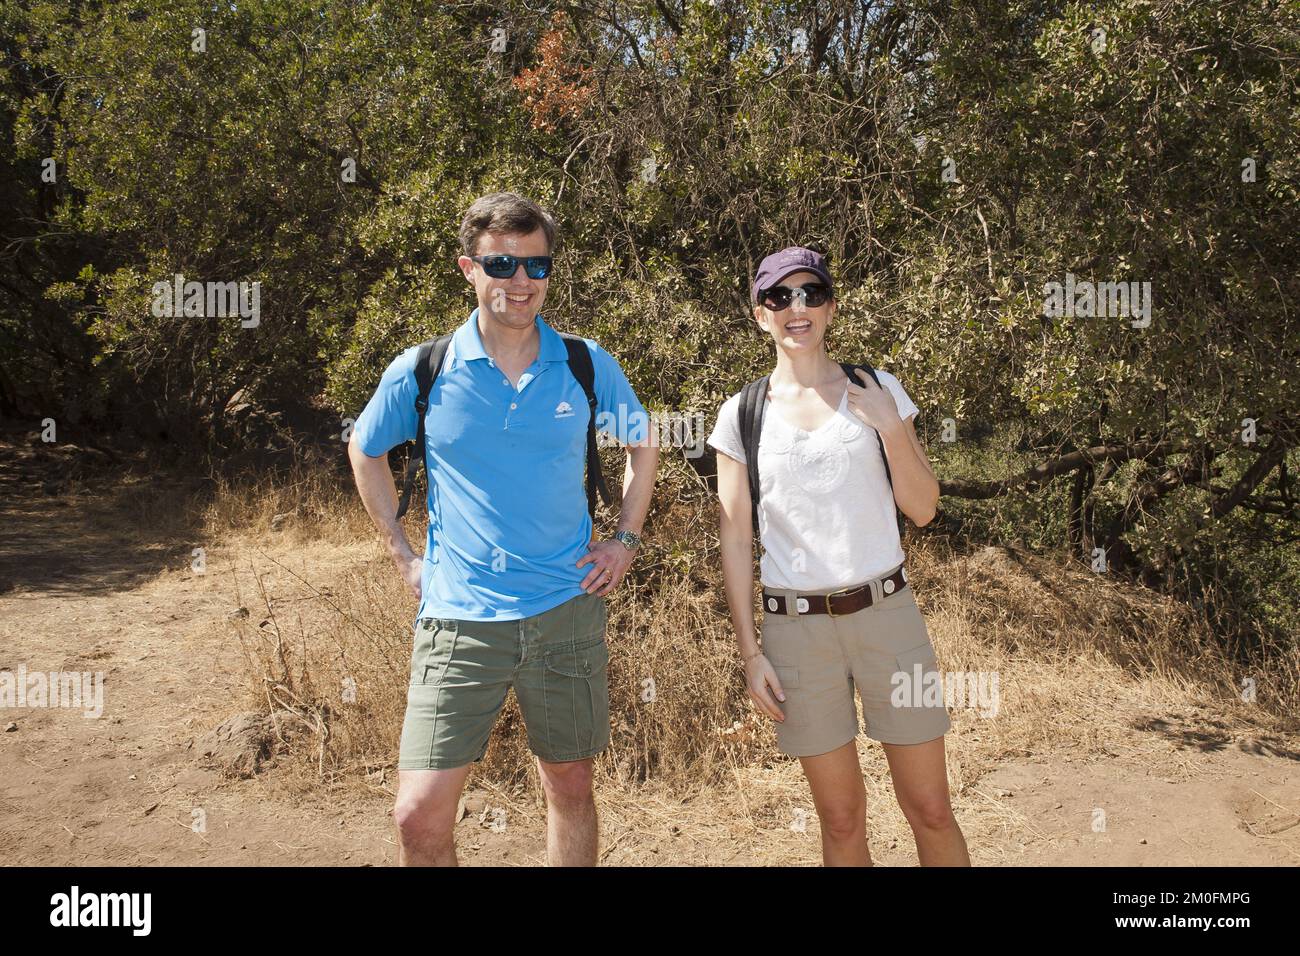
736 538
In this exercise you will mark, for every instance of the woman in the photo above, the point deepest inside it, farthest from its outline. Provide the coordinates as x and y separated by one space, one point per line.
838 611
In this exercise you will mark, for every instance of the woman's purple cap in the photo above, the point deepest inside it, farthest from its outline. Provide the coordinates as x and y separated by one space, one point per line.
787 262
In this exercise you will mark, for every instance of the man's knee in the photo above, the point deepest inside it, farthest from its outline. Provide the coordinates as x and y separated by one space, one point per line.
568 784
425 809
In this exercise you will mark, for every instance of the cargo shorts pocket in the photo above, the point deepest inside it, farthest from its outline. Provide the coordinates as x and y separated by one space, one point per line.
793 705
575 697
919 667
435 644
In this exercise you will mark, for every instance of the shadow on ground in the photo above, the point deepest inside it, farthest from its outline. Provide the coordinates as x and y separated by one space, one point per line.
128 525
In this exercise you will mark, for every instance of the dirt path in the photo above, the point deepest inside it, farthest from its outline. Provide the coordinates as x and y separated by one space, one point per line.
92 585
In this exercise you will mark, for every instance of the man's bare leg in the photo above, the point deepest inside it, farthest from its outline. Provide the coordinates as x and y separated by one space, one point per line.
841 801
920 778
572 830
425 815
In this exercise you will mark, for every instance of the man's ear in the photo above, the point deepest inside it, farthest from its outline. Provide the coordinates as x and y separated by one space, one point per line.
466 268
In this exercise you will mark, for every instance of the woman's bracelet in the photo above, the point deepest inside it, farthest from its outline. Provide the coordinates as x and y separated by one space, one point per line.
746 660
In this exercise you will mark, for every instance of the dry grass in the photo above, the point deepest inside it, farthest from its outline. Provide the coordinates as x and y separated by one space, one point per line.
1079 659
314 498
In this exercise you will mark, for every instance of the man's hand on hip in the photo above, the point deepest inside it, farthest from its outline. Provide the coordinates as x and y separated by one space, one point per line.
411 567
609 562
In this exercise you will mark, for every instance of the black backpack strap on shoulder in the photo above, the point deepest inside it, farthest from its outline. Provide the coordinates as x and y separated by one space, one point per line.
584 371
753 405
848 370
428 363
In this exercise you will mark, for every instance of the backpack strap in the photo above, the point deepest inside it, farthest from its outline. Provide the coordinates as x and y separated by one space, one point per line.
428 363
753 405
584 371
848 370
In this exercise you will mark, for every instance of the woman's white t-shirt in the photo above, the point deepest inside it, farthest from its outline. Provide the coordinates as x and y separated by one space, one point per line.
826 513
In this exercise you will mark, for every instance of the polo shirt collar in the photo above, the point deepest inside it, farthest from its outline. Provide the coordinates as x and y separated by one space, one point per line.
467 344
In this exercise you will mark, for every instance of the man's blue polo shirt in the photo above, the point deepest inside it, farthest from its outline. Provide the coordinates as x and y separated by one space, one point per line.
507 497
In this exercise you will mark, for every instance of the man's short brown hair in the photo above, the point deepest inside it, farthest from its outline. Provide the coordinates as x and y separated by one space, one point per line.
504 212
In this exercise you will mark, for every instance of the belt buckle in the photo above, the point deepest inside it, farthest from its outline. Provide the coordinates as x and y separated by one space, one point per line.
828 597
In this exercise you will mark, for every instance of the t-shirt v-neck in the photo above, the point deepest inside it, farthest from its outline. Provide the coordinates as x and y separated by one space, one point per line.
841 407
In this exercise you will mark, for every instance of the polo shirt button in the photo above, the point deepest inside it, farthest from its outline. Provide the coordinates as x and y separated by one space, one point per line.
505 381
513 405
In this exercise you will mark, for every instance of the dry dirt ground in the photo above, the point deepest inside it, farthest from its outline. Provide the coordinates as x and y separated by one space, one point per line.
89 584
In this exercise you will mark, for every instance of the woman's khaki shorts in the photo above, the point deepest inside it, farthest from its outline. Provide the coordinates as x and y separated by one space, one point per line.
460 671
883 650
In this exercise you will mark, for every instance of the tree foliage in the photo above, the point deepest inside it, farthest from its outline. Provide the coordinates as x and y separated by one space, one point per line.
951 159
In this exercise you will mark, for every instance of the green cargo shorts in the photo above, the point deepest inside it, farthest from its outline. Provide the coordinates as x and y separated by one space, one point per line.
460 672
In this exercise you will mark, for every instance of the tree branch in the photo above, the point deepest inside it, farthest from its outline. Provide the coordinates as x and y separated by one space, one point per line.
1046 471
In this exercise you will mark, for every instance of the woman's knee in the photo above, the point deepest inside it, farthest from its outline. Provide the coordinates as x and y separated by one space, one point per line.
930 813
843 819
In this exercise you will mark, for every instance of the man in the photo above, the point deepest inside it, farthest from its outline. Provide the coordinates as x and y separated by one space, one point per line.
512 585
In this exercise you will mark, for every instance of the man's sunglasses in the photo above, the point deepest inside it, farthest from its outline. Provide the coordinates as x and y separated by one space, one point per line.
779 297
503 266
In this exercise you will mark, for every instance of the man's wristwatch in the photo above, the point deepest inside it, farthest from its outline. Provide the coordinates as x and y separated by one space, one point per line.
629 539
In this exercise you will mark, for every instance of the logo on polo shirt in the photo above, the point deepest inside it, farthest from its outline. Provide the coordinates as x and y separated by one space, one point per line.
563 410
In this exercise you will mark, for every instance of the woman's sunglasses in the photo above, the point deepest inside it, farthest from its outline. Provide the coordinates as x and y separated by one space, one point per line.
779 297
503 266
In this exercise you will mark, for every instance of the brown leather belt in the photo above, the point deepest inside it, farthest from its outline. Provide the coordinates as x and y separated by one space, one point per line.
844 601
